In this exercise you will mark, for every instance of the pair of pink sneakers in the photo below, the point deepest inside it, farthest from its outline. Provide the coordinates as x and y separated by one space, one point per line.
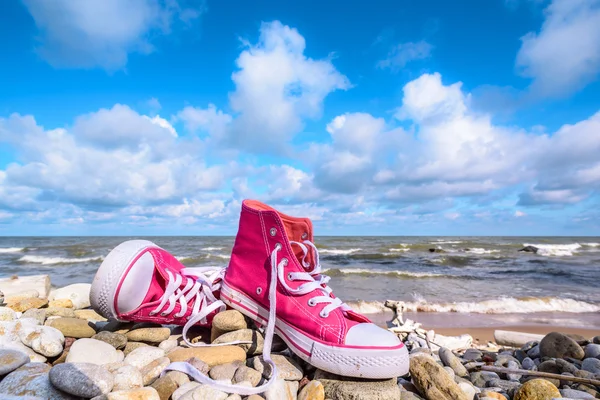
274 277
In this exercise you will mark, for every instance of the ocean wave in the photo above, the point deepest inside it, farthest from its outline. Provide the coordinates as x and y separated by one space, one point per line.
338 252
11 249
506 305
212 248
477 250
558 250
447 241
56 260
371 272
399 250
591 244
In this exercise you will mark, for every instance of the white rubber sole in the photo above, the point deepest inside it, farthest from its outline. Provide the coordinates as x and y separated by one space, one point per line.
108 276
370 363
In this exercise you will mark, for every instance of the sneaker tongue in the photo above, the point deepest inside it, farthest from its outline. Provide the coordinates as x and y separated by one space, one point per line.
156 289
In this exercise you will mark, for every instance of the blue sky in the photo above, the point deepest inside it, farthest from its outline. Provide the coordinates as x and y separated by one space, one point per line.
383 118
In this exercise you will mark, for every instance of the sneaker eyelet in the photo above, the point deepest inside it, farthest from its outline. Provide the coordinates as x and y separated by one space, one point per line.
278 246
289 276
284 261
323 314
273 231
164 314
152 313
311 303
258 290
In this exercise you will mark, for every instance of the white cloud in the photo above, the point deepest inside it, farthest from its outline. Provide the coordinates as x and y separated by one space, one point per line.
519 214
403 53
102 33
277 86
209 120
564 56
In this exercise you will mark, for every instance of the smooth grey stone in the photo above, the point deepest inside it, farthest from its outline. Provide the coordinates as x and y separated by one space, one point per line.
82 379
11 360
592 365
592 350
534 352
528 364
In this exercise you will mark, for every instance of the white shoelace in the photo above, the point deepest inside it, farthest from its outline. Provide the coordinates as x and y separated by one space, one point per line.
314 281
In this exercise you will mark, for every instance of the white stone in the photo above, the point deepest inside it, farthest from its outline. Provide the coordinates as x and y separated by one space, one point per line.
468 389
78 293
282 390
203 392
7 314
143 356
39 283
44 340
127 377
183 389
93 351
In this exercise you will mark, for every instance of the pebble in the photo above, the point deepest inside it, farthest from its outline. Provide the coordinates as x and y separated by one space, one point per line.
450 360
287 368
183 389
146 393
35 313
249 335
78 293
592 350
210 355
44 340
431 380
89 315
468 389
32 380
127 377
131 346
165 386
151 372
116 340
528 363
313 390
18 346
143 356
286 390
575 394
200 365
26 304
7 314
513 377
150 335
82 379
179 378
472 355
204 392
93 351
557 345
72 327
247 374
592 365
227 321
224 371
11 360
537 389
60 312
62 303
337 387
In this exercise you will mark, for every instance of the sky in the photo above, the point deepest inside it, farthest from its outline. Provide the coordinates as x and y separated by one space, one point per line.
158 117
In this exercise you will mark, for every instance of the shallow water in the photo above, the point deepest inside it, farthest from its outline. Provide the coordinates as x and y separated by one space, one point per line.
481 275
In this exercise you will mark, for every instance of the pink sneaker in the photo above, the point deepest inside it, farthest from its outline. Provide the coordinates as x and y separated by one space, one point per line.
140 282
269 282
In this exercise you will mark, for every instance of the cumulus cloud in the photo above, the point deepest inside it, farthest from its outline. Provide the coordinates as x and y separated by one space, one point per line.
564 56
403 53
76 33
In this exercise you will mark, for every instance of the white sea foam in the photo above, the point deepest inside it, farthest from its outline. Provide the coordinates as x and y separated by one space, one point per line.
212 248
477 250
364 271
559 250
399 250
591 244
447 241
507 305
11 249
56 260
338 252
223 256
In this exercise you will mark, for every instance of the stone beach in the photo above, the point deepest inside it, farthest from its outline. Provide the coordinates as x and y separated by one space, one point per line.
53 346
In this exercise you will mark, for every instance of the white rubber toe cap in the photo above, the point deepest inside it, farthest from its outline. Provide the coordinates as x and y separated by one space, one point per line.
368 334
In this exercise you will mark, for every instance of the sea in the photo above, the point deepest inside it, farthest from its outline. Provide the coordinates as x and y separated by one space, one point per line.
486 278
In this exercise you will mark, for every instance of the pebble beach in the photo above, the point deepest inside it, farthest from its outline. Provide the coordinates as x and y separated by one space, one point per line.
53 346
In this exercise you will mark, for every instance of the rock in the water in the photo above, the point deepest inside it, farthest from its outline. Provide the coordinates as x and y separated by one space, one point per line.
127 377
32 380
557 345
11 360
287 368
143 356
78 293
82 379
116 340
341 388
537 389
72 327
26 304
529 249
210 355
43 340
151 372
250 335
146 393
93 351
450 360
432 381
150 335
313 390
227 321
